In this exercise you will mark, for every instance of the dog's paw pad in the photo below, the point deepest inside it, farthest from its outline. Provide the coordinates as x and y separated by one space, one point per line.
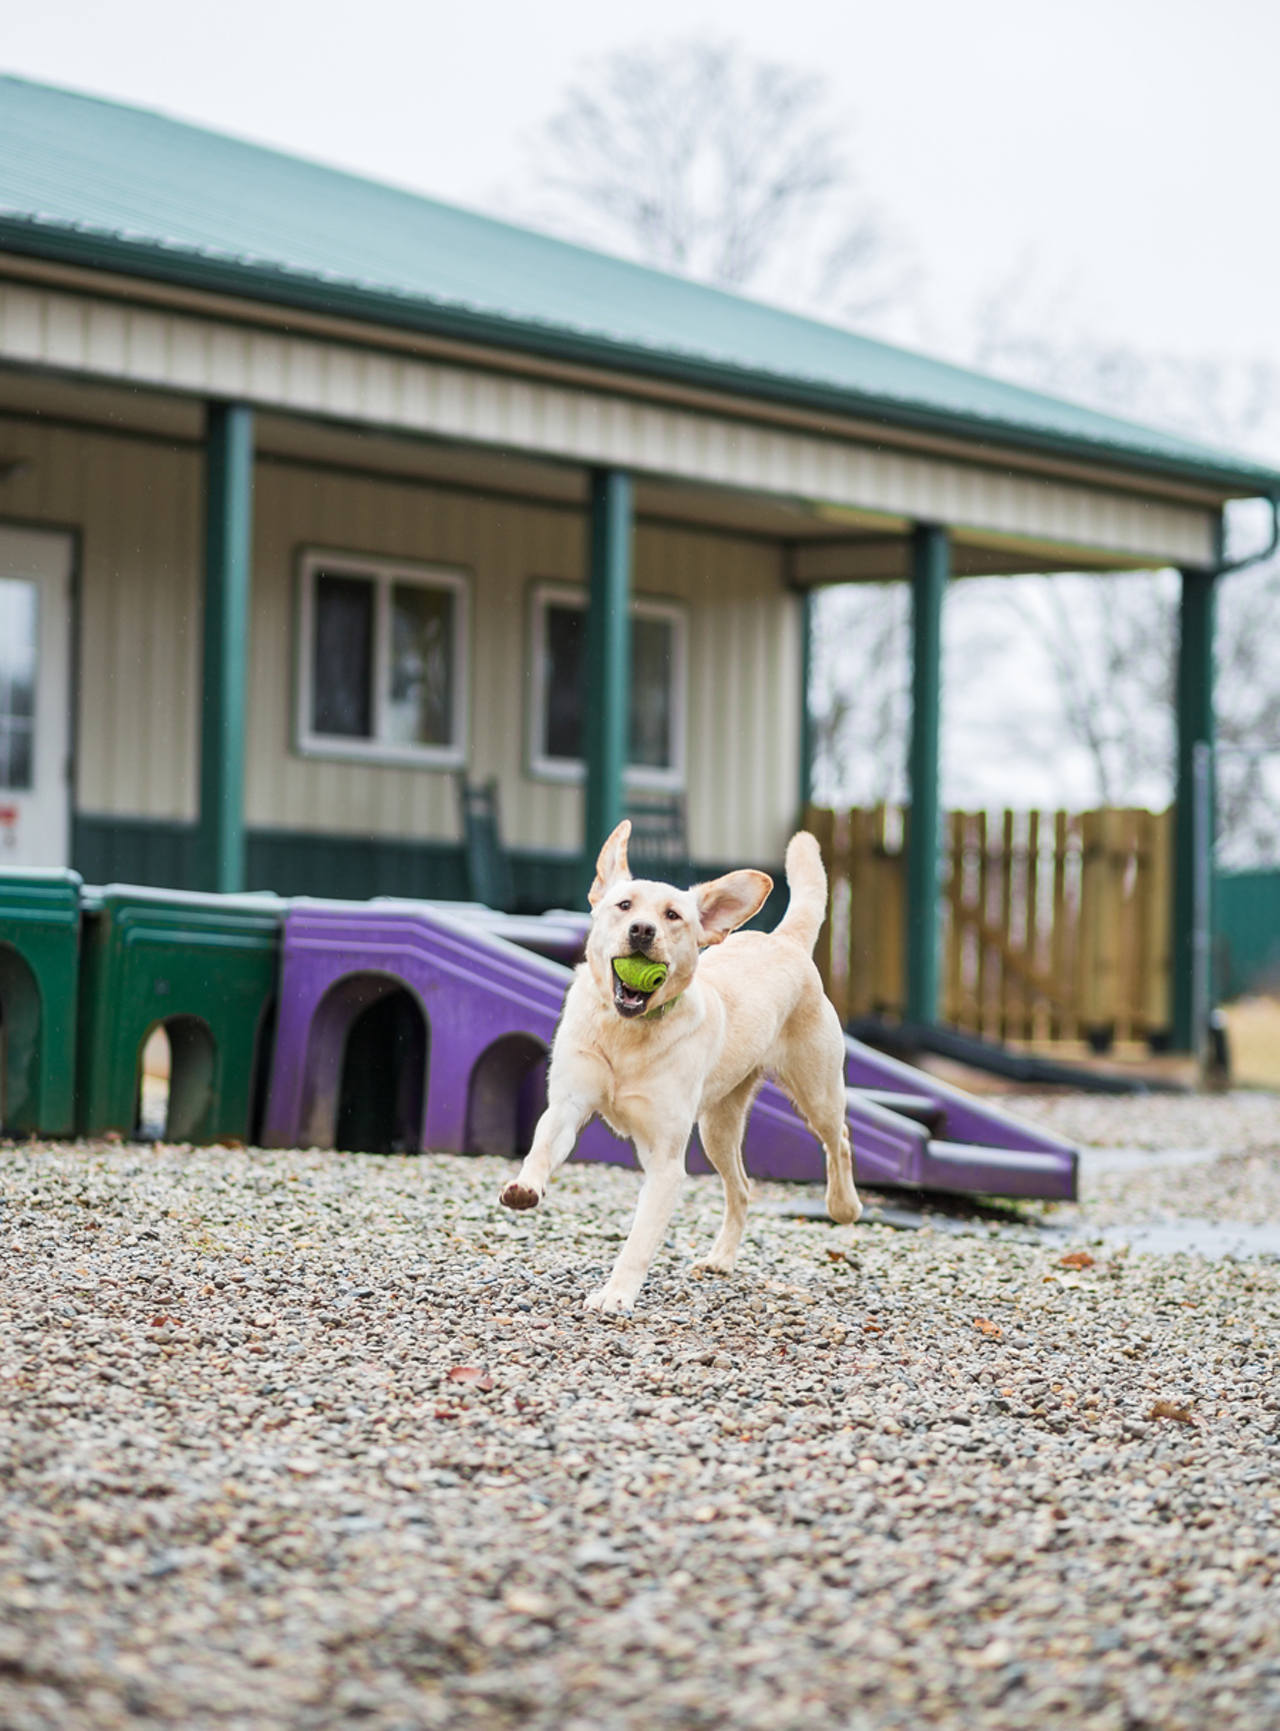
516 1195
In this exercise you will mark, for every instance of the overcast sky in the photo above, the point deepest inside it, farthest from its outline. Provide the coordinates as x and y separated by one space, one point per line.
1124 147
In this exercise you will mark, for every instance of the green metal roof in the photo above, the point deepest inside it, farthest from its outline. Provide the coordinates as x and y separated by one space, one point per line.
124 189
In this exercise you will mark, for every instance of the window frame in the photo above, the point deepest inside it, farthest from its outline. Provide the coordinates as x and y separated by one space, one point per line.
572 770
383 573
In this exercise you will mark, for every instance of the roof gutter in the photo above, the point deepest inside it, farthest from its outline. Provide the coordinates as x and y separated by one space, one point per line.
1225 568
151 260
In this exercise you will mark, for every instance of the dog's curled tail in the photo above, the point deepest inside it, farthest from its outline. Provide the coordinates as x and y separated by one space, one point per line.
807 882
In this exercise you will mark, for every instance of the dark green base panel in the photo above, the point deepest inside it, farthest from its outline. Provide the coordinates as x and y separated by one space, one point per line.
1247 946
353 868
134 850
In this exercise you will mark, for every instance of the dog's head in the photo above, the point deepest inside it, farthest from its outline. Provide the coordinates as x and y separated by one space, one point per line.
642 918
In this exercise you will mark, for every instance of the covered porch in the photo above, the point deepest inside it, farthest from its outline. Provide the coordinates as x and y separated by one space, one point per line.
1010 525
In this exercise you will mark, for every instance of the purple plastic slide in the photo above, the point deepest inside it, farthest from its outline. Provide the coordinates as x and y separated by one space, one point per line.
490 1009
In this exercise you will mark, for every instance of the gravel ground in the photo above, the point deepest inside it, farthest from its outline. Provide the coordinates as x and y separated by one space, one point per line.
309 1440
1236 1136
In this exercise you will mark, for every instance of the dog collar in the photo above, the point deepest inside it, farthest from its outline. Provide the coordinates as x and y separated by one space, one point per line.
656 1015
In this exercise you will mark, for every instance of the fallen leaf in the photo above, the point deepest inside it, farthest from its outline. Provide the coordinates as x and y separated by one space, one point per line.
992 1330
473 1376
1076 1259
1170 1409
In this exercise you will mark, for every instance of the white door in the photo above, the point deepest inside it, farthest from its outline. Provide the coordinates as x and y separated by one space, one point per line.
35 697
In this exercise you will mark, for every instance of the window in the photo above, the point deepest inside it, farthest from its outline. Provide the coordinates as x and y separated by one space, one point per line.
657 688
17 683
382 660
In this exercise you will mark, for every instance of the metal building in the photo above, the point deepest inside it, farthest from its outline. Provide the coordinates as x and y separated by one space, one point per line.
315 494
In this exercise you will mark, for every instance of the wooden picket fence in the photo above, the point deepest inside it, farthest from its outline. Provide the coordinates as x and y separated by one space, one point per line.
1055 924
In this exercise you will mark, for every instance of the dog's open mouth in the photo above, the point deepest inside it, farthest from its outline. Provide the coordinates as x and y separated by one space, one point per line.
631 997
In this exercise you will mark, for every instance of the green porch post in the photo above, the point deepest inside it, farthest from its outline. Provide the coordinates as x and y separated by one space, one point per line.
930 561
606 705
228 534
807 742
1190 948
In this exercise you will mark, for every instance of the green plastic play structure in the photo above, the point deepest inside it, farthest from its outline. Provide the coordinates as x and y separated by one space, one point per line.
204 966
39 997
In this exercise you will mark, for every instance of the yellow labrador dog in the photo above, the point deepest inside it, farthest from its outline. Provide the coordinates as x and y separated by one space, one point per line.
696 1049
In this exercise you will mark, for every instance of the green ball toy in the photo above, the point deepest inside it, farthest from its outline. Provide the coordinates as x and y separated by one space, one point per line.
640 975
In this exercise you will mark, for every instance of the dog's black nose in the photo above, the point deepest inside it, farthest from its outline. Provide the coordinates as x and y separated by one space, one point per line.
641 932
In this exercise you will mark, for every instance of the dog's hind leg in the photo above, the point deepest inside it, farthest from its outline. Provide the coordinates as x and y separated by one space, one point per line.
721 1129
811 1070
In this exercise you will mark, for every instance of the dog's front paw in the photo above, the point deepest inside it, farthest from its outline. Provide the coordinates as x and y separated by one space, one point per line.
609 1303
713 1264
517 1195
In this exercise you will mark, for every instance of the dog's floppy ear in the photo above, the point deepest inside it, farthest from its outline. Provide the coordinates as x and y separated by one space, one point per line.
725 903
612 863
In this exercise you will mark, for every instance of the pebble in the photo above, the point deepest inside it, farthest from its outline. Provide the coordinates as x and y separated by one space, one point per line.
245 1485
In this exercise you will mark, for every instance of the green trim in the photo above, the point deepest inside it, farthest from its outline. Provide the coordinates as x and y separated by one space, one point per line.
228 552
930 560
1195 722
606 697
808 733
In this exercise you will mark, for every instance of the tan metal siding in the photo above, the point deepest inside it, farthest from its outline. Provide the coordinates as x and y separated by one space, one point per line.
744 688
178 351
137 508
743 674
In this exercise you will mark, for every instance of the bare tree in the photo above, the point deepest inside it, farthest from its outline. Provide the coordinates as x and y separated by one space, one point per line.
1112 642
1043 336
700 159
860 723
1108 642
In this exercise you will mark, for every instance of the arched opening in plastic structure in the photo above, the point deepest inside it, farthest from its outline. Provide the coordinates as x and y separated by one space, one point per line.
264 1041
506 1096
365 1082
177 1069
380 1099
19 1043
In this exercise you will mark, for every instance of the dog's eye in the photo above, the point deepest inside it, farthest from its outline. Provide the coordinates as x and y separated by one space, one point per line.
672 914
624 907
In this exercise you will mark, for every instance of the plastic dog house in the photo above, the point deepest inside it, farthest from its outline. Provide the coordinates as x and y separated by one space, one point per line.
462 1020
39 994
204 967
